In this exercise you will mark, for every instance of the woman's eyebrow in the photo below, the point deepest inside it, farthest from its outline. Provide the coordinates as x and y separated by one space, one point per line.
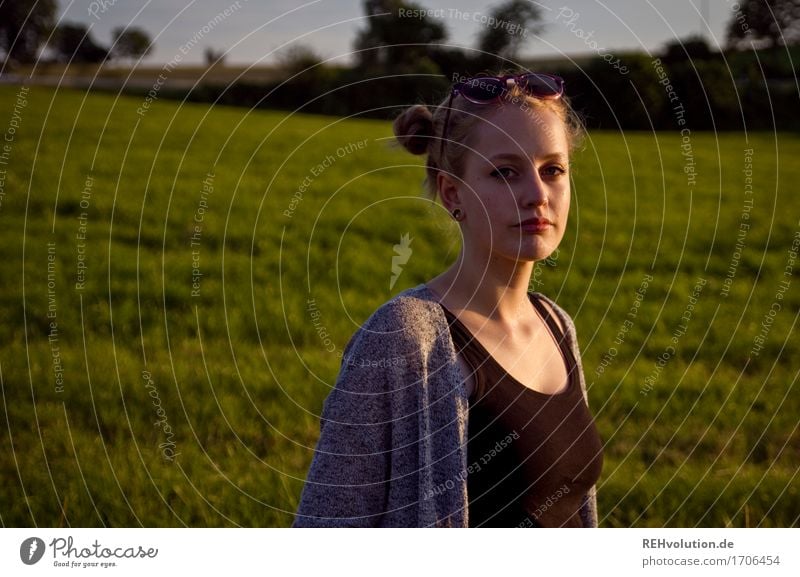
506 156
558 156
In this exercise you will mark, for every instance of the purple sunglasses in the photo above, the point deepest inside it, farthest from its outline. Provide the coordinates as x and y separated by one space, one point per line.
488 89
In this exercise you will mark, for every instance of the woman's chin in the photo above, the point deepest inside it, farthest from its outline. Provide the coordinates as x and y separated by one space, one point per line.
531 251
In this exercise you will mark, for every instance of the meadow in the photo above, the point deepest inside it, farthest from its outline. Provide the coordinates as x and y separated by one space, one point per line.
179 282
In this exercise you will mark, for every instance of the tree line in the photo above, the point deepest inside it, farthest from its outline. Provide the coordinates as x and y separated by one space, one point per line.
28 26
402 55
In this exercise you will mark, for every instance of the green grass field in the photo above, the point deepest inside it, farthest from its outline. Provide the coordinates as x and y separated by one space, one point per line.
161 364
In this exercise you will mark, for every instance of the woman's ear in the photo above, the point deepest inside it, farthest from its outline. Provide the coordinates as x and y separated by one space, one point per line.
448 191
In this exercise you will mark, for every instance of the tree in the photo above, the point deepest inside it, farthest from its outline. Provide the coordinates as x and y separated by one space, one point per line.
298 58
130 43
214 57
507 28
24 26
765 23
397 36
690 48
72 42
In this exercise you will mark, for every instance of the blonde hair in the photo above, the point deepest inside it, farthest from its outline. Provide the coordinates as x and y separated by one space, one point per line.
419 130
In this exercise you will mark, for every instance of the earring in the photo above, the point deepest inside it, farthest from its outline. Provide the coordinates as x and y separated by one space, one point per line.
458 214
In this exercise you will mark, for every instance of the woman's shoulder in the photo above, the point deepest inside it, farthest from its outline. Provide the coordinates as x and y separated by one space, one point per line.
414 309
562 317
412 317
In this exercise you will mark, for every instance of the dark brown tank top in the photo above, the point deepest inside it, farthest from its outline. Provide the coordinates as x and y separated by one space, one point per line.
531 457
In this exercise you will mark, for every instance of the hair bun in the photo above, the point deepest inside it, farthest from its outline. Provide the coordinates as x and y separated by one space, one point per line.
414 129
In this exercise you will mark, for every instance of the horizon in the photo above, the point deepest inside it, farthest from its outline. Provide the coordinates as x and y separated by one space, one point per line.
258 34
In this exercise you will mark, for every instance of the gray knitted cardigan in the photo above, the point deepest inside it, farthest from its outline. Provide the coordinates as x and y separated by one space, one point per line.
393 431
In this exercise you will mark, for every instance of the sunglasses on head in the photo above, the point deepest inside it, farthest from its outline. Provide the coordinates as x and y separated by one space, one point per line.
488 89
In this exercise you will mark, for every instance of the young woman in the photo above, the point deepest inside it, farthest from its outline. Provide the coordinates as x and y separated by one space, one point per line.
462 402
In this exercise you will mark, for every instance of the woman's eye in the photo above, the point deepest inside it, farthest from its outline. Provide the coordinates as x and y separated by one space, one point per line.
554 170
503 172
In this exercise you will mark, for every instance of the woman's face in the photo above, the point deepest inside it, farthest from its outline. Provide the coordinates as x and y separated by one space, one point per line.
515 190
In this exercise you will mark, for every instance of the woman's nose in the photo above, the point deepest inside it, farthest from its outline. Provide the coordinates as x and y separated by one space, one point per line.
535 193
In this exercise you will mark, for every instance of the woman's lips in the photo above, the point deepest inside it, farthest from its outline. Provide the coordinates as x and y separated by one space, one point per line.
533 225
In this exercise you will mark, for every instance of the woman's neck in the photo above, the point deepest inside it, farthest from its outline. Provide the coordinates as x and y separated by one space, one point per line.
494 288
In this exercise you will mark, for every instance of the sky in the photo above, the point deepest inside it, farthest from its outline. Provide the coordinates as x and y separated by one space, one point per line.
259 31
